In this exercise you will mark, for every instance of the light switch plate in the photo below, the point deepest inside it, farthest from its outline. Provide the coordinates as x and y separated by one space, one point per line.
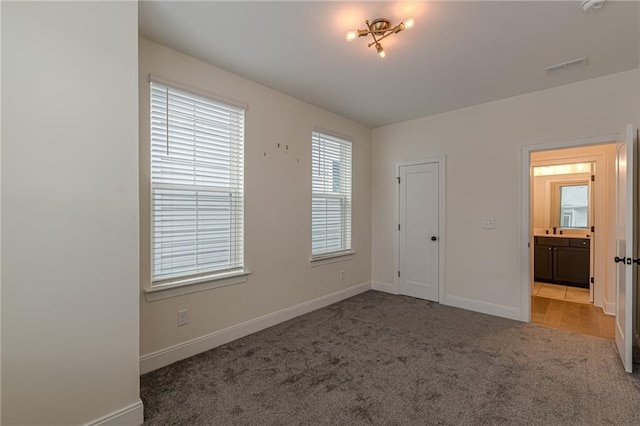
489 223
183 317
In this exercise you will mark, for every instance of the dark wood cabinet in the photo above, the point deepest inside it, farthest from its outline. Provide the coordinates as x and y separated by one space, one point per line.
543 263
562 260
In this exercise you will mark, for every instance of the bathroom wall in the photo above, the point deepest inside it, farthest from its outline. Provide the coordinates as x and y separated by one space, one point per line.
542 200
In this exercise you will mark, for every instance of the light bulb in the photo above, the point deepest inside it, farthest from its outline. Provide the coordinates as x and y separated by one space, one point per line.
351 35
409 23
382 54
380 50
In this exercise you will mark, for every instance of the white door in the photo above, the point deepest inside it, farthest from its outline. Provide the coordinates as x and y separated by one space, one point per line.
591 223
418 229
625 272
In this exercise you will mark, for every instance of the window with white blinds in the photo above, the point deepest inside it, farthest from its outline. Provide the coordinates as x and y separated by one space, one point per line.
331 195
197 164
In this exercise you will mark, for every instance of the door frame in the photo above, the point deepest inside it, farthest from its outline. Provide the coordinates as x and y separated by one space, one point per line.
440 160
526 180
598 242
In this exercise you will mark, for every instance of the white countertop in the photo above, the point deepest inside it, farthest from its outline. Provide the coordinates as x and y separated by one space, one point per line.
562 235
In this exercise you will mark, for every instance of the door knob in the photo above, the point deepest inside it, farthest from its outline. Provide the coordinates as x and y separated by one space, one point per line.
434 238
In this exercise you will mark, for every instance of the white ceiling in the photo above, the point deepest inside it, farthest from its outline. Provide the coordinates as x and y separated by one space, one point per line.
459 53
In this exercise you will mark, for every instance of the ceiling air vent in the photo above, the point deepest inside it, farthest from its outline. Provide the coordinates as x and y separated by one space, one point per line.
576 63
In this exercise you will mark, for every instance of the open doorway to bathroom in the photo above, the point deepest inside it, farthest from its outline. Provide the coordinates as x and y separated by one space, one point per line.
572 217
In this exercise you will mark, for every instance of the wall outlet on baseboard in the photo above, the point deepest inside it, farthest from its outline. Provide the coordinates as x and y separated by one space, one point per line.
183 317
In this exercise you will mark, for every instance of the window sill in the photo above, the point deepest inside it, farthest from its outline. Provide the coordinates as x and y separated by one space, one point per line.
193 285
331 258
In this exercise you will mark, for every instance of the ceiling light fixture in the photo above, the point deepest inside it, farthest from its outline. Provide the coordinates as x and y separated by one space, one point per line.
590 5
380 29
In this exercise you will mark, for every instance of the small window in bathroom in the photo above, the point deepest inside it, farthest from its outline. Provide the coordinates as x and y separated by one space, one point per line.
574 206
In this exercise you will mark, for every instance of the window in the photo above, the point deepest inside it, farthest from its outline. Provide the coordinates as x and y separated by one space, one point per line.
196 185
574 205
331 195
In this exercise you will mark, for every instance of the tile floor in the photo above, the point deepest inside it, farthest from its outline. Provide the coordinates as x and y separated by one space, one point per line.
561 292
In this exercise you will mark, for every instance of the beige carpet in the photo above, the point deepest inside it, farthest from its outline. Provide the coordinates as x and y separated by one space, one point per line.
394 360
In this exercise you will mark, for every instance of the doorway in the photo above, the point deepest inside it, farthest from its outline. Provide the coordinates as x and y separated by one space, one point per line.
621 235
420 218
572 219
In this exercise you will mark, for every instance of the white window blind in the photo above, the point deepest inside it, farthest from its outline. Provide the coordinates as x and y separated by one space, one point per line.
196 185
331 195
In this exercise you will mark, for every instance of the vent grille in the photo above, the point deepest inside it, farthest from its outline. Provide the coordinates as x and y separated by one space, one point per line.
576 63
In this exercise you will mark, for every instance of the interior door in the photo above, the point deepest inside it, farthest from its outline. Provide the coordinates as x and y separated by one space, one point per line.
418 228
591 223
625 273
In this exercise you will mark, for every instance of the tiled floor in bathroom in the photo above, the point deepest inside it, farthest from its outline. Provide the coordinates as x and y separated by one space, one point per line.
569 308
561 292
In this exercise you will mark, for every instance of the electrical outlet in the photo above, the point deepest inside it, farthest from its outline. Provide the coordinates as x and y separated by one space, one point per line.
342 275
489 223
183 317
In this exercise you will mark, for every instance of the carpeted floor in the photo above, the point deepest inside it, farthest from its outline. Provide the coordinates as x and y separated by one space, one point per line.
382 359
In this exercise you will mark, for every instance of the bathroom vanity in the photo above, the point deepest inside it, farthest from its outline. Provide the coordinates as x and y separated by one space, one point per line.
562 260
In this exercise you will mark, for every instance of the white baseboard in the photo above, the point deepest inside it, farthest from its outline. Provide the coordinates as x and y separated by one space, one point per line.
609 307
483 307
385 287
131 415
164 357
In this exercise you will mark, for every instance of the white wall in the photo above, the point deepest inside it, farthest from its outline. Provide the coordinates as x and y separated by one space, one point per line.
483 146
70 213
277 213
0 222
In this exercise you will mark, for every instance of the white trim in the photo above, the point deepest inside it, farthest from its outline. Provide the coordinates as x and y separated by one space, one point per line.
525 229
384 287
509 312
609 308
164 357
131 415
338 135
441 161
194 285
320 260
214 97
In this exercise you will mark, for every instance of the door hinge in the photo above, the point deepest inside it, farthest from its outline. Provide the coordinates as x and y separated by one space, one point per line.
593 178
592 280
398 180
593 229
398 274
398 227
